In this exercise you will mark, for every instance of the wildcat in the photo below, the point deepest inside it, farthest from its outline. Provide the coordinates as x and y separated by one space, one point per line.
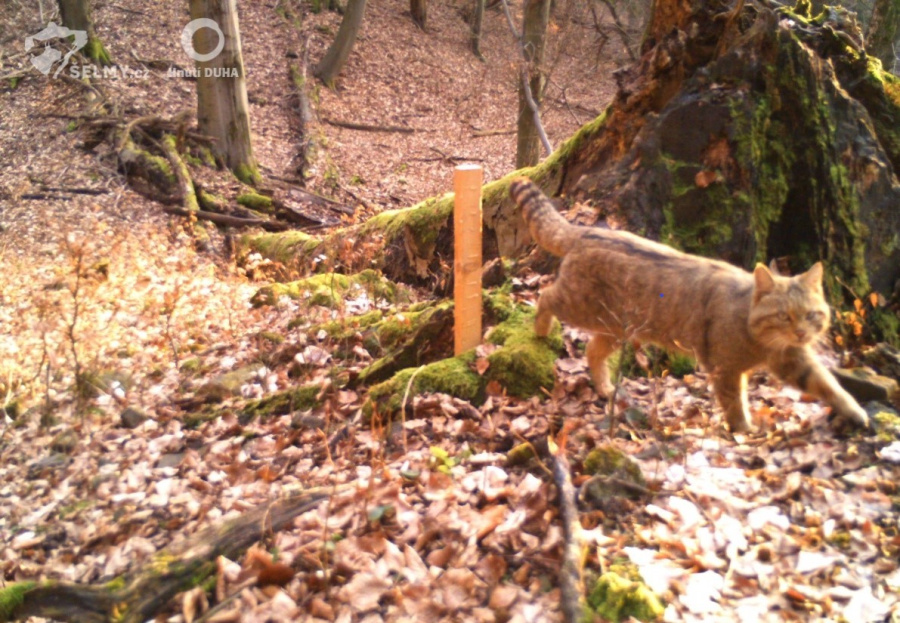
619 286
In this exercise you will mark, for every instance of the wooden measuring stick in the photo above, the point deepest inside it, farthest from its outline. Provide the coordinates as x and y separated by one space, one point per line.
467 180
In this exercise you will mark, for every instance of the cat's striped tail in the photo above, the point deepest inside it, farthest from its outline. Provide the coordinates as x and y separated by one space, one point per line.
548 227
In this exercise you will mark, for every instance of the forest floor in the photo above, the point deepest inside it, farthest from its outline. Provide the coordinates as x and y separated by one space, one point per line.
156 320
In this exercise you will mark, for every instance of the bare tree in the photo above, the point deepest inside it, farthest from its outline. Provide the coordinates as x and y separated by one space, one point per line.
76 15
222 109
336 56
536 19
882 35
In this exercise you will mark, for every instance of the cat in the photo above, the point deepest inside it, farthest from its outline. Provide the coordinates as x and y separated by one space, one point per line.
619 286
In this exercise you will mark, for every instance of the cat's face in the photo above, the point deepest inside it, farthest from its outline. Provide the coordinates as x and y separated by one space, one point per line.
788 311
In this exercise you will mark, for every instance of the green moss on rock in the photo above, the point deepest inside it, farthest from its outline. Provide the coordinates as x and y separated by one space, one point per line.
607 460
615 598
454 376
282 403
523 365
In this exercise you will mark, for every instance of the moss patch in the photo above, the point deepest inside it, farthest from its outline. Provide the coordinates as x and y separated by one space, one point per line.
616 598
408 340
281 247
454 376
887 425
525 363
248 174
12 597
523 366
282 403
331 289
255 201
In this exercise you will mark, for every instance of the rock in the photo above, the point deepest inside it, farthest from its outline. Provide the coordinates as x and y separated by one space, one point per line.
229 384
885 359
64 442
132 418
43 467
493 273
170 460
865 385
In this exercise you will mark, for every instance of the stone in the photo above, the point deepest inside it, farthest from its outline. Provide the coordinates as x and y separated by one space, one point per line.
132 418
865 385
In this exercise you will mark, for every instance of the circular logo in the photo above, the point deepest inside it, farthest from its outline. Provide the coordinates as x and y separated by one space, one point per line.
187 39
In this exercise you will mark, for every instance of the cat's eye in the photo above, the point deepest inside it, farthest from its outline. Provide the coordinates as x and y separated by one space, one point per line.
813 316
783 316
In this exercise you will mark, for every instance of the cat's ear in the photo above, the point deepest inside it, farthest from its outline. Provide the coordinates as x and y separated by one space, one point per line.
763 282
773 267
813 277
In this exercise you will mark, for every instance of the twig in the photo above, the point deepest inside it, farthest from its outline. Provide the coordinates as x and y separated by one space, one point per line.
570 581
481 133
364 127
225 219
403 405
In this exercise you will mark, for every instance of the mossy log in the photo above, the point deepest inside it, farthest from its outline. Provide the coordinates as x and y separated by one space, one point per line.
414 244
746 133
522 365
148 590
332 289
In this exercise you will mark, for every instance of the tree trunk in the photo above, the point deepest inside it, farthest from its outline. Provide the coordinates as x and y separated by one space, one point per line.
336 56
536 19
222 108
477 22
419 11
882 35
76 15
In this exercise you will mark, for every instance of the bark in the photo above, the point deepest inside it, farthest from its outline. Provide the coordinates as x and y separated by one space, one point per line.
528 143
307 147
336 56
881 40
477 22
419 11
76 15
222 108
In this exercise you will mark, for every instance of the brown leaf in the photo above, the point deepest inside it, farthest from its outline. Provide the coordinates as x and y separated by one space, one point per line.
503 597
705 177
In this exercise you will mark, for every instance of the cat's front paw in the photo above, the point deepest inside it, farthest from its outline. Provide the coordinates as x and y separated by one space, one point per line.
851 414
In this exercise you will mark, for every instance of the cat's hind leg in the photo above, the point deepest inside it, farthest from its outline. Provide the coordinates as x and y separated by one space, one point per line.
731 393
599 347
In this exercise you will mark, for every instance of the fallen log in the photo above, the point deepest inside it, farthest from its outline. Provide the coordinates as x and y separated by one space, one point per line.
143 594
